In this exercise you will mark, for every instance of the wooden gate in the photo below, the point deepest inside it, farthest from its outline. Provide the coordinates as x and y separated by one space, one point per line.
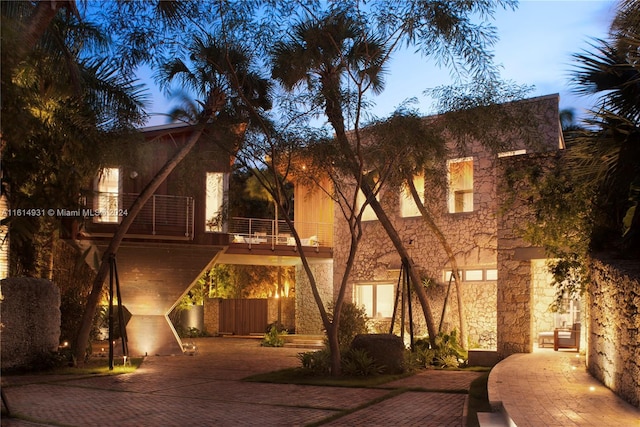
243 316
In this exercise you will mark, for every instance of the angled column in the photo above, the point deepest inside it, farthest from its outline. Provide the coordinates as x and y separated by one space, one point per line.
153 277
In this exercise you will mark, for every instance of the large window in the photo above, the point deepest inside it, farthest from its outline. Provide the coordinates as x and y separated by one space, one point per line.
107 188
460 173
214 201
376 298
408 207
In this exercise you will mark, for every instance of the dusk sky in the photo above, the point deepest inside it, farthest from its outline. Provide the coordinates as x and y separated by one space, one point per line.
536 45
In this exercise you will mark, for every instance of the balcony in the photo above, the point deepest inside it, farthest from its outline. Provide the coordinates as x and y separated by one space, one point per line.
162 217
271 233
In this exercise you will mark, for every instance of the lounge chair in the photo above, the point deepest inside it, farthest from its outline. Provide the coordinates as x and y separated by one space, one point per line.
567 338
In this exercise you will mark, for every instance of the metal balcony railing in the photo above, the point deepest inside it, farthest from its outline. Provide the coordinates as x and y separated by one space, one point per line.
162 215
255 231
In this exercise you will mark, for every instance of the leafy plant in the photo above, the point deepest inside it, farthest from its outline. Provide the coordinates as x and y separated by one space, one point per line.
447 353
316 362
353 321
274 338
358 362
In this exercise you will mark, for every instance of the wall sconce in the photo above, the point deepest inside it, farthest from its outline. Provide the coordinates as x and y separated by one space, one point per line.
133 175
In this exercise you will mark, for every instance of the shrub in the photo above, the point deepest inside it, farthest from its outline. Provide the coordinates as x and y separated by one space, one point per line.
353 321
316 362
447 352
387 351
358 362
273 338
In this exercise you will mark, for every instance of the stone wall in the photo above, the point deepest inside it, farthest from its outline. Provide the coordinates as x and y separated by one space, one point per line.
30 313
613 304
308 320
287 308
517 259
212 316
544 294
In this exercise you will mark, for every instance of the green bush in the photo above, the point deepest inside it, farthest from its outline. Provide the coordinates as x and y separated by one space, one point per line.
447 352
353 321
358 362
273 338
316 362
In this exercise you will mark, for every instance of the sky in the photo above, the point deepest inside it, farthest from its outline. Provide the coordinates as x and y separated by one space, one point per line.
535 48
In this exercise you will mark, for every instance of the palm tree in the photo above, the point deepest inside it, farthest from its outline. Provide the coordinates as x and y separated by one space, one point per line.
62 105
609 157
323 53
222 76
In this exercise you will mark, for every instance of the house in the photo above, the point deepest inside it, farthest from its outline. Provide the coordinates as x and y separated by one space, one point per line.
505 283
183 230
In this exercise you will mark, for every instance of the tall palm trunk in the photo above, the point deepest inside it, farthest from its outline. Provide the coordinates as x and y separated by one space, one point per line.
84 332
334 114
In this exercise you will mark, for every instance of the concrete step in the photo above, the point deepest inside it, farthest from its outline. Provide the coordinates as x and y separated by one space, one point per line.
492 419
312 344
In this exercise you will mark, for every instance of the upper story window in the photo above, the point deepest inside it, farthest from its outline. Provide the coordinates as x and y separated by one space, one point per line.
408 207
512 153
107 201
214 201
460 174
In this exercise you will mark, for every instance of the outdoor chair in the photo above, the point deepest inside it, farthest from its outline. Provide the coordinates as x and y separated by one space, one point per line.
567 338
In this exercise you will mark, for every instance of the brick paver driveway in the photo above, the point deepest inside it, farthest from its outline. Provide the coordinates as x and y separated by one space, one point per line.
207 390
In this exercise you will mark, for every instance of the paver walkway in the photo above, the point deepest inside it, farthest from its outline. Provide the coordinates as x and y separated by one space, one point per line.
206 390
553 388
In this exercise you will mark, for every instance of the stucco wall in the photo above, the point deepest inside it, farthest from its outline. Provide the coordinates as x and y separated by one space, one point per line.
30 313
614 327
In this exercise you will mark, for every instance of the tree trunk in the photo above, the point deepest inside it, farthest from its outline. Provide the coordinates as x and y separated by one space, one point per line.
428 219
334 115
82 339
404 253
42 16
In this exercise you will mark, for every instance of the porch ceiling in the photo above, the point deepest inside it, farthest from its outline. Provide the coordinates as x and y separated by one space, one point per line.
264 259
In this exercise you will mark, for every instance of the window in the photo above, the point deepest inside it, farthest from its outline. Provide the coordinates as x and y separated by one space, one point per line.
214 201
460 173
368 214
376 298
107 188
473 275
408 206
512 153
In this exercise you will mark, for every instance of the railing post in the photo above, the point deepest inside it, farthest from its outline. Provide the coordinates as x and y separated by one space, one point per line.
153 214
274 232
186 212
193 218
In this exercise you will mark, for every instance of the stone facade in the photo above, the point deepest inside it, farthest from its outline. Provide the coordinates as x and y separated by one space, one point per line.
476 237
613 353
521 276
212 316
287 309
30 321
308 320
